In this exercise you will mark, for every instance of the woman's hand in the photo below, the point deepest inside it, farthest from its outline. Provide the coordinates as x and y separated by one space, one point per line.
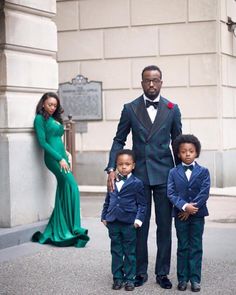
69 159
64 166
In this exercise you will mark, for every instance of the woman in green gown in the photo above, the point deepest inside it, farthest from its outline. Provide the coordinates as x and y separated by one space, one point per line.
63 228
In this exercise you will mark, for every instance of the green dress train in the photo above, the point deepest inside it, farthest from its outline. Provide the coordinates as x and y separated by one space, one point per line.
63 228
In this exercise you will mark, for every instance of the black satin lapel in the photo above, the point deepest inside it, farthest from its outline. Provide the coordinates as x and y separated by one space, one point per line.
162 114
142 114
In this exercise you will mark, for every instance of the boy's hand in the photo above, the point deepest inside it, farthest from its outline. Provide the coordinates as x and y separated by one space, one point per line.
191 209
111 181
136 225
183 215
104 222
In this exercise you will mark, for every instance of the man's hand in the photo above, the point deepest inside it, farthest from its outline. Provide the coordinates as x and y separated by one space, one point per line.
191 209
183 215
111 181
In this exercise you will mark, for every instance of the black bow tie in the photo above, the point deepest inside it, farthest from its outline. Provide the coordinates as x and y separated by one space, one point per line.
190 167
121 177
151 103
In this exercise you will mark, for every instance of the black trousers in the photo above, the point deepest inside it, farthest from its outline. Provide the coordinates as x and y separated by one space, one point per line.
163 217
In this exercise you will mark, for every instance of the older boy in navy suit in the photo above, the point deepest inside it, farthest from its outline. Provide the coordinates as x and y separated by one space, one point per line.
188 190
124 211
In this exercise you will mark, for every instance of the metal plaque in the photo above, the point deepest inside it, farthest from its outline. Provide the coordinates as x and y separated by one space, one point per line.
81 99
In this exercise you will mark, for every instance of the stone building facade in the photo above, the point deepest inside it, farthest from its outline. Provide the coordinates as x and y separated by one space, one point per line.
111 41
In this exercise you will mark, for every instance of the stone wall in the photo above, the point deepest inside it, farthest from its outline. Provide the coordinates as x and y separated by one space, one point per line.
28 67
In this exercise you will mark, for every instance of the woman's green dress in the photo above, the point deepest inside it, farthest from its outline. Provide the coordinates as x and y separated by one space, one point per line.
63 228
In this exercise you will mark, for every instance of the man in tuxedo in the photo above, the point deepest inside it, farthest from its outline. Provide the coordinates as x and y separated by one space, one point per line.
154 122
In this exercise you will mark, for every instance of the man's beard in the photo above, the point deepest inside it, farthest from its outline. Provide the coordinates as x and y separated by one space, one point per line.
152 96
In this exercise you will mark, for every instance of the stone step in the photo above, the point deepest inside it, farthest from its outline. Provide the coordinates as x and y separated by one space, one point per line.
19 234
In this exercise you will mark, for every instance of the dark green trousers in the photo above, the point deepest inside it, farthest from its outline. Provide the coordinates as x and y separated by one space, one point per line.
123 250
189 251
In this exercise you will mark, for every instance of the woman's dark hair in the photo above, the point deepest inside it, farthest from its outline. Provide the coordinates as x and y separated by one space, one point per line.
59 110
125 152
186 138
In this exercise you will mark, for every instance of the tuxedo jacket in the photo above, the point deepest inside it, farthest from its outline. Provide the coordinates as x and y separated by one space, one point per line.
180 190
127 204
150 140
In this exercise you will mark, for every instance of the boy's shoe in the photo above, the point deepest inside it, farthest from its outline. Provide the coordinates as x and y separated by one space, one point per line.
195 287
164 282
117 285
182 286
129 286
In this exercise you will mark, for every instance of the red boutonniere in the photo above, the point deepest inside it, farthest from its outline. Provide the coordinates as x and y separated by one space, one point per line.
170 105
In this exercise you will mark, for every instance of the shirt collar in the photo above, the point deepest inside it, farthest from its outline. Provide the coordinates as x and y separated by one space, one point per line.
155 100
193 163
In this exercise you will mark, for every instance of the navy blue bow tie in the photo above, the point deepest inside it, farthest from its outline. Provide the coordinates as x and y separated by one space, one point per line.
121 177
151 103
190 167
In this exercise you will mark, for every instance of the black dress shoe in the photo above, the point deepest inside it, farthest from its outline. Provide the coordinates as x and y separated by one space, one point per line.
140 280
182 286
195 287
164 282
129 286
117 285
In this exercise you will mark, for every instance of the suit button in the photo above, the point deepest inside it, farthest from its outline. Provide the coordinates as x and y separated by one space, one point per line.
117 205
118 197
189 189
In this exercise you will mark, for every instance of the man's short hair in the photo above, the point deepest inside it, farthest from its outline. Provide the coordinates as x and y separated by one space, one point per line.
152 68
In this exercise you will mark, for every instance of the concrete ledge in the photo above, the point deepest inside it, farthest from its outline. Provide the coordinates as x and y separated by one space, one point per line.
92 190
224 192
19 234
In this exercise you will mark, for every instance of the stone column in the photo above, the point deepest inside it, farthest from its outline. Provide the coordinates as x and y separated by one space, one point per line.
28 68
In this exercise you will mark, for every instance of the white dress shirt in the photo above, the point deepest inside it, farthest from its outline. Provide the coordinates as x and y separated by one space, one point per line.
188 174
152 112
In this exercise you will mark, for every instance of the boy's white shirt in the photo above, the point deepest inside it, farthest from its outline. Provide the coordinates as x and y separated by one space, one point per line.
119 185
188 174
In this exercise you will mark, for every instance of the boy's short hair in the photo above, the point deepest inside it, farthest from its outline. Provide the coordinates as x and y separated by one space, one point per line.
125 152
186 138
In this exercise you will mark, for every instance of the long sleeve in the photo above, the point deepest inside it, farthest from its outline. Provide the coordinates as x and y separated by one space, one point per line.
142 203
39 126
105 207
203 195
123 130
175 199
176 129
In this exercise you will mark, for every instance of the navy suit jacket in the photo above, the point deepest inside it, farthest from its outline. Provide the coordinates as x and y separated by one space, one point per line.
127 204
181 191
150 140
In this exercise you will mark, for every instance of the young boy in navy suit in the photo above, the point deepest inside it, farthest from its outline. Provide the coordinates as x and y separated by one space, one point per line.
124 211
188 190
